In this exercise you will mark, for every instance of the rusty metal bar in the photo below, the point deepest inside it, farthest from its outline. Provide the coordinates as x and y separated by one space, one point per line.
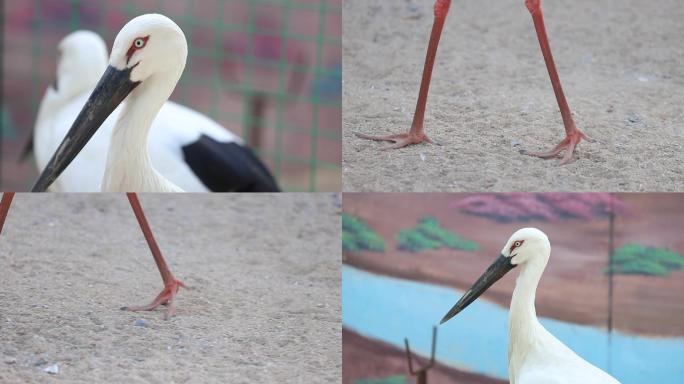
421 374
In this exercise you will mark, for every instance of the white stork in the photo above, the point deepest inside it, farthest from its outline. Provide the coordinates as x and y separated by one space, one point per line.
535 356
152 144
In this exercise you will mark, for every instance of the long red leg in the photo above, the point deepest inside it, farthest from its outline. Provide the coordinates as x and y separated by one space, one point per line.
416 134
4 207
573 135
171 284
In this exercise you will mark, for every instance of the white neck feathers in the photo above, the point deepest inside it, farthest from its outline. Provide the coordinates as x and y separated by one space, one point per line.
129 167
523 326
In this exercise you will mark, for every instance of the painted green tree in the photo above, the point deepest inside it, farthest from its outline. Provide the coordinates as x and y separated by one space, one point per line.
398 379
358 236
429 234
637 259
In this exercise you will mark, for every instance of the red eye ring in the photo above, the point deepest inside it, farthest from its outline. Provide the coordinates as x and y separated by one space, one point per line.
516 244
138 43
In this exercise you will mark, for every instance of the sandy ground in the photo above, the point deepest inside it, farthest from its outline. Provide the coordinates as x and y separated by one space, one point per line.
620 62
365 358
265 307
574 287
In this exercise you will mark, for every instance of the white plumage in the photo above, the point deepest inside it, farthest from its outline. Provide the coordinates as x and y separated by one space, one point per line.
79 122
535 356
82 60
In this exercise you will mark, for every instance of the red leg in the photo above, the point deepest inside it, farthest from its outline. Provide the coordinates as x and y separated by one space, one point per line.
171 284
572 134
4 207
416 134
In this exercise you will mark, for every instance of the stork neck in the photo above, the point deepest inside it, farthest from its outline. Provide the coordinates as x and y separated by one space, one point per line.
522 303
129 167
522 323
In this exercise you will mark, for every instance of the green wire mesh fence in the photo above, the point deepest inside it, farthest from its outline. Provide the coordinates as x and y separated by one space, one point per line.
268 70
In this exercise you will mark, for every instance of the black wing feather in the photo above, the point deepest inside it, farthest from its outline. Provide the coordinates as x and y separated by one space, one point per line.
228 167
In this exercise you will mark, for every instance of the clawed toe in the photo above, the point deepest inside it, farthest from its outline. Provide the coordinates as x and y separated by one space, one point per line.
568 145
548 154
380 138
165 298
569 149
400 140
401 143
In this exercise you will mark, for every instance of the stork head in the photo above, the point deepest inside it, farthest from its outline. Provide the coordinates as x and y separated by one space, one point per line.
526 245
147 47
82 58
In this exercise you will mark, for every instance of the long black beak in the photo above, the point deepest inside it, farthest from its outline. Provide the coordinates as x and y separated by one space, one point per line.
499 267
111 90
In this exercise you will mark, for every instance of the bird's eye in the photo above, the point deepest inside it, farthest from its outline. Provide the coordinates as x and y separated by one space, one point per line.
139 43
516 245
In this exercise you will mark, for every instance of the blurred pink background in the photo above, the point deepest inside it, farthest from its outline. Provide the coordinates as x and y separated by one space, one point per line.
270 67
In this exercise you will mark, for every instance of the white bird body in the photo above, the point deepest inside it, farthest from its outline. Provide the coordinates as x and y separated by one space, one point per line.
535 356
81 62
174 127
151 144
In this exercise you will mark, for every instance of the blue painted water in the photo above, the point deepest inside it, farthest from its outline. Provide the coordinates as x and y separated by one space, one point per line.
389 309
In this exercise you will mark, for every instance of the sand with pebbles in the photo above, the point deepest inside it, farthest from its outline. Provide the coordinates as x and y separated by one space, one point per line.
265 307
620 62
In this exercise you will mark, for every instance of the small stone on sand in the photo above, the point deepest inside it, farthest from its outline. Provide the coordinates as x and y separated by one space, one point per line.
140 323
52 369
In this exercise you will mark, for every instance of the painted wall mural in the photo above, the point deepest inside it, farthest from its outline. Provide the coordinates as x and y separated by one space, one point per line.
612 290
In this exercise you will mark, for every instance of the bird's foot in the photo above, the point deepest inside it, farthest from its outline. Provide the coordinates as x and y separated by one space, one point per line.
165 297
401 140
568 145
